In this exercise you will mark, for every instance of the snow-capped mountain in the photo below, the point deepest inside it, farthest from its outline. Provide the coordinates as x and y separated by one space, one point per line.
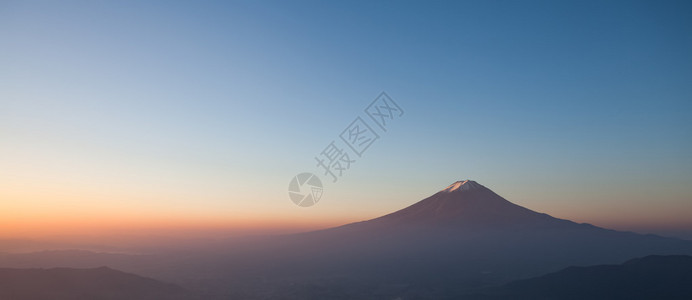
468 231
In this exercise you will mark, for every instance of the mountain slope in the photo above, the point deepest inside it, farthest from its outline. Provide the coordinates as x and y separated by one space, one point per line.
461 237
464 204
467 220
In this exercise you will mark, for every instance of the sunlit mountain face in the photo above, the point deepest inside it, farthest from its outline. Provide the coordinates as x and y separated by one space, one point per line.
466 204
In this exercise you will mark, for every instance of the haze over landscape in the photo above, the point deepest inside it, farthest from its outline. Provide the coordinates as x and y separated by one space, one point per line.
175 150
464 241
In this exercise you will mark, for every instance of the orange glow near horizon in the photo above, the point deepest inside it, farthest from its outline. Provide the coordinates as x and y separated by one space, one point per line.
52 210
45 225
59 208
41 224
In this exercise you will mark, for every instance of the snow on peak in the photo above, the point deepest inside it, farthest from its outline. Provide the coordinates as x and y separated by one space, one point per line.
462 186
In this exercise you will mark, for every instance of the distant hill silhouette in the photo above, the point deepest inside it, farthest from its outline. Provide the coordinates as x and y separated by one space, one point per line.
85 284
651 277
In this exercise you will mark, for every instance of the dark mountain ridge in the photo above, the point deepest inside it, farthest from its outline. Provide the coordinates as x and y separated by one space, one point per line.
650 277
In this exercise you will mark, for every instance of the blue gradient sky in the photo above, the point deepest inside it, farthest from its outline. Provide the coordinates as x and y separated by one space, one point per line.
202 112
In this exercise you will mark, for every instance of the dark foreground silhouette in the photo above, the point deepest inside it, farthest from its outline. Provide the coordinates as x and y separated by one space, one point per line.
651 277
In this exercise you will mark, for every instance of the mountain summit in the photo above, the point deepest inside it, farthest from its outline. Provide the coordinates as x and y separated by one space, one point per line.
462 186
469 204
